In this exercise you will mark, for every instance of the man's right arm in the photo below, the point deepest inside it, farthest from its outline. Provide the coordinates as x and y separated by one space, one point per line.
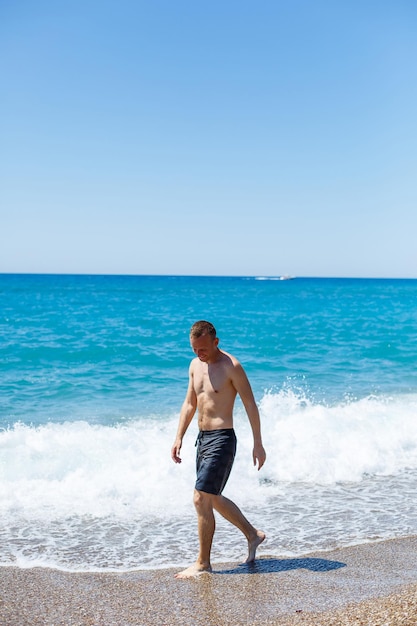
188 410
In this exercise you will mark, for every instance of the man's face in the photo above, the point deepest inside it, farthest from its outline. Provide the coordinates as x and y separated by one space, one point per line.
205 347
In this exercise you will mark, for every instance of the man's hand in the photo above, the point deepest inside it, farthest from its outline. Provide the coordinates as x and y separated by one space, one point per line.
259 455
175 451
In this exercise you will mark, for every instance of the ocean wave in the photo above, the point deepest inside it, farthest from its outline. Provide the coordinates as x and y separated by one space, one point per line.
82 496
316 443
91 468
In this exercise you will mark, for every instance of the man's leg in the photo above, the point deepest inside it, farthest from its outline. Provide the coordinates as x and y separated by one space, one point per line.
203 503
234 515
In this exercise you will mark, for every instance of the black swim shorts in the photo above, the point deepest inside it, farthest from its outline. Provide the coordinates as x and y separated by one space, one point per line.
216 451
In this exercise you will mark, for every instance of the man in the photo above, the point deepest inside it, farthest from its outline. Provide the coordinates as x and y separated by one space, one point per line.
215 378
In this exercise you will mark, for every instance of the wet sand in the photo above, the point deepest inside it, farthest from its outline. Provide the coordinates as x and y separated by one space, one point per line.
372 584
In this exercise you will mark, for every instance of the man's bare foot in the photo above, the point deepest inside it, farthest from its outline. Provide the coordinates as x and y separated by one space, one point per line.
253 545
194 570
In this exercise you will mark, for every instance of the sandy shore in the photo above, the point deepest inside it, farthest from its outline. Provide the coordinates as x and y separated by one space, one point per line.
373 584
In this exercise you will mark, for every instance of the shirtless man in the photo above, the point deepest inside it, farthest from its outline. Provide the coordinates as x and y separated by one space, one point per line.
215 378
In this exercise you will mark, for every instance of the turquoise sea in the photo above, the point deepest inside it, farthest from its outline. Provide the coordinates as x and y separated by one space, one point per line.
93 373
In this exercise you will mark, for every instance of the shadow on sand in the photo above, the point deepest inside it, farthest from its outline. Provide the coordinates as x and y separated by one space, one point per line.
271 566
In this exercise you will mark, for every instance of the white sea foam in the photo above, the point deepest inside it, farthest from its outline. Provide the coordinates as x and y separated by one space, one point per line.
83 496
328 444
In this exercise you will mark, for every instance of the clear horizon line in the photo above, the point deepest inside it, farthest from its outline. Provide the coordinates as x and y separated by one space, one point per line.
283 277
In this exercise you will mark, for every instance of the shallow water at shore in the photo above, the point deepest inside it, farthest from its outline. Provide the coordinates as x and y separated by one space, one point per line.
367 585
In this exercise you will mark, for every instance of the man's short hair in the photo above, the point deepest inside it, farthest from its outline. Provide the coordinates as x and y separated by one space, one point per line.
201 328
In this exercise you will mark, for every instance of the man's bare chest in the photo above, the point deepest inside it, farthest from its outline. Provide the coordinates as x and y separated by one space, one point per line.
211 380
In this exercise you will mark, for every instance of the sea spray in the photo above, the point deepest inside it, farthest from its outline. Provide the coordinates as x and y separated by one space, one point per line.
322 444
82 496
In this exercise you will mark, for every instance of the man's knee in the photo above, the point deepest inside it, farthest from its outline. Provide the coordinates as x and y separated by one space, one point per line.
202 500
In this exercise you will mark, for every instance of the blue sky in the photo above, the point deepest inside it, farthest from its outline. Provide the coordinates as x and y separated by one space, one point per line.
225 138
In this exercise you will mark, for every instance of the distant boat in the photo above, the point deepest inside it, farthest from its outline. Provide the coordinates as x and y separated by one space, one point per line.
274 277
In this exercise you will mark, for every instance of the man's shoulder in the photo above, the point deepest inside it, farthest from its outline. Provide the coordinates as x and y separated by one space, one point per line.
230 360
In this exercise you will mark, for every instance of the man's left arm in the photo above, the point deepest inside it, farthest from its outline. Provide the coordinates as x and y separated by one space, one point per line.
243 388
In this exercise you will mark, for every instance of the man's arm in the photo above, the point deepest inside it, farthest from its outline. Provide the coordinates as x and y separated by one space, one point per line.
188 410
242 386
